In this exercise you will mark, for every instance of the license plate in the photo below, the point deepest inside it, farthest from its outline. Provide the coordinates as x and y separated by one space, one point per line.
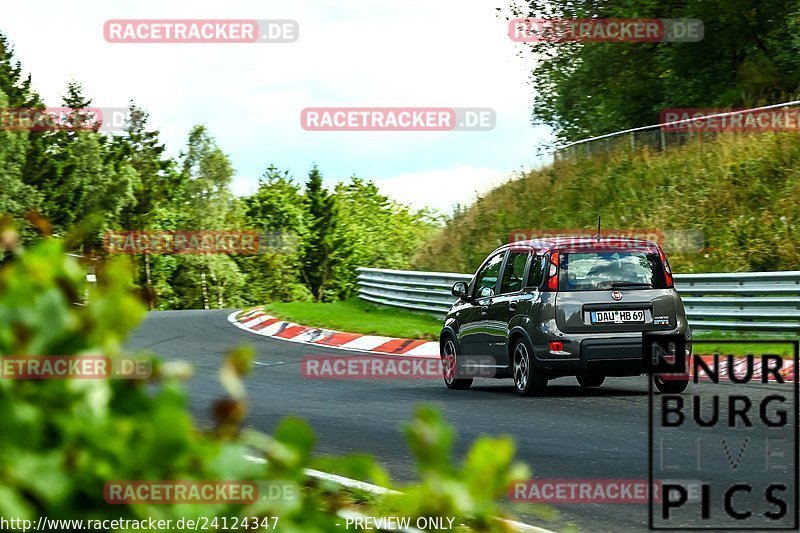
618 317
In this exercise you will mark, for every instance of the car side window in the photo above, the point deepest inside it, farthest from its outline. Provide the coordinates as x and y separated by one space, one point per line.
536 273
514 272
486 280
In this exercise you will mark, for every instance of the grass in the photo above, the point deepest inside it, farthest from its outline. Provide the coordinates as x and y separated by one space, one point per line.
704 344
358 316
741 192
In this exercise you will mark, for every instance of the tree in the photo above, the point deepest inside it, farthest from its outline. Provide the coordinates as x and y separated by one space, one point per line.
278 211
373 231
78 182
154 196
16 197
16 87
206 203
21 153
748 55
277 205
206 177
321 250
142 149
84 193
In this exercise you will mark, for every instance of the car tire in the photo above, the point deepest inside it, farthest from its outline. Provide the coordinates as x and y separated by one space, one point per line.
449 364
590 381
528 381
670 386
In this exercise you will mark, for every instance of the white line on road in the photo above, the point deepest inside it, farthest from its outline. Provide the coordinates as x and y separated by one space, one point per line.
376 489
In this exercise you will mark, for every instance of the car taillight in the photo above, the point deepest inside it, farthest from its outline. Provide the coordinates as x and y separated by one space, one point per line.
667 269
552 273
556 346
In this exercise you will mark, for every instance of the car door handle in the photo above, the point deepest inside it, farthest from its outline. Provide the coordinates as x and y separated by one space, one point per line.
512 305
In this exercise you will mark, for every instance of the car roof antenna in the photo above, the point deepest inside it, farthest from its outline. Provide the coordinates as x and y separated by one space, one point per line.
597 236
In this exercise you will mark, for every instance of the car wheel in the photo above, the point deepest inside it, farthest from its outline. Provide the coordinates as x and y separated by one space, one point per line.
527 380
449 366
671 386
591 381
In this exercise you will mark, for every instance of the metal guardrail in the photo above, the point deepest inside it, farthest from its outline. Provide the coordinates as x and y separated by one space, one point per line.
745 301
656 136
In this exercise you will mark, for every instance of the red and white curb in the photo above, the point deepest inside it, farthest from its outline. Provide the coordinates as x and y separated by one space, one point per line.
257 322
740 368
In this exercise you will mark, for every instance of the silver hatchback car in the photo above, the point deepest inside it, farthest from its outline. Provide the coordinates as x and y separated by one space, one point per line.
546 308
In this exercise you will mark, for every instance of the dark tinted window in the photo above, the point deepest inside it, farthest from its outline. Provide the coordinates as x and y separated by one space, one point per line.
536 274
514 272
627 269
486 280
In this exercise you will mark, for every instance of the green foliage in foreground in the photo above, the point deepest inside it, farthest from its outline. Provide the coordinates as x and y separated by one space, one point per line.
741 191
62 440
358 316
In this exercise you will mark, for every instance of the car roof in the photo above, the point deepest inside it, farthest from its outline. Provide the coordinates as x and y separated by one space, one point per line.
566 243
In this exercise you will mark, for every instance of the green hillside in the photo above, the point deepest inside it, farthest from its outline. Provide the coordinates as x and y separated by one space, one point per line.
741 191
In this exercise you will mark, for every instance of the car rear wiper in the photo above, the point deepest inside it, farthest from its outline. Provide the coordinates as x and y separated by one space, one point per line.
620 284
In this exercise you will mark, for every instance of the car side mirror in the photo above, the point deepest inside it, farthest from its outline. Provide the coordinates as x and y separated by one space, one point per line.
486 292
459 289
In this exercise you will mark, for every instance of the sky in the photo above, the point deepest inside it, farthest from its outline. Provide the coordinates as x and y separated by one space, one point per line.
350 53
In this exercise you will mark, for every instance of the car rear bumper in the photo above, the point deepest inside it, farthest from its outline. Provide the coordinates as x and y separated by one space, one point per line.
606 356
611 357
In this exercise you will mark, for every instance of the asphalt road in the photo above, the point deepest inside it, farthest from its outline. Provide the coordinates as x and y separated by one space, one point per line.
572 433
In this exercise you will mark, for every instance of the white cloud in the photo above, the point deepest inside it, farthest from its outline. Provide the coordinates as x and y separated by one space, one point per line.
443 189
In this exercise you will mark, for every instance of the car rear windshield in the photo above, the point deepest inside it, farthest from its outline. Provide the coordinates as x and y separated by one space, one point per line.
607 270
